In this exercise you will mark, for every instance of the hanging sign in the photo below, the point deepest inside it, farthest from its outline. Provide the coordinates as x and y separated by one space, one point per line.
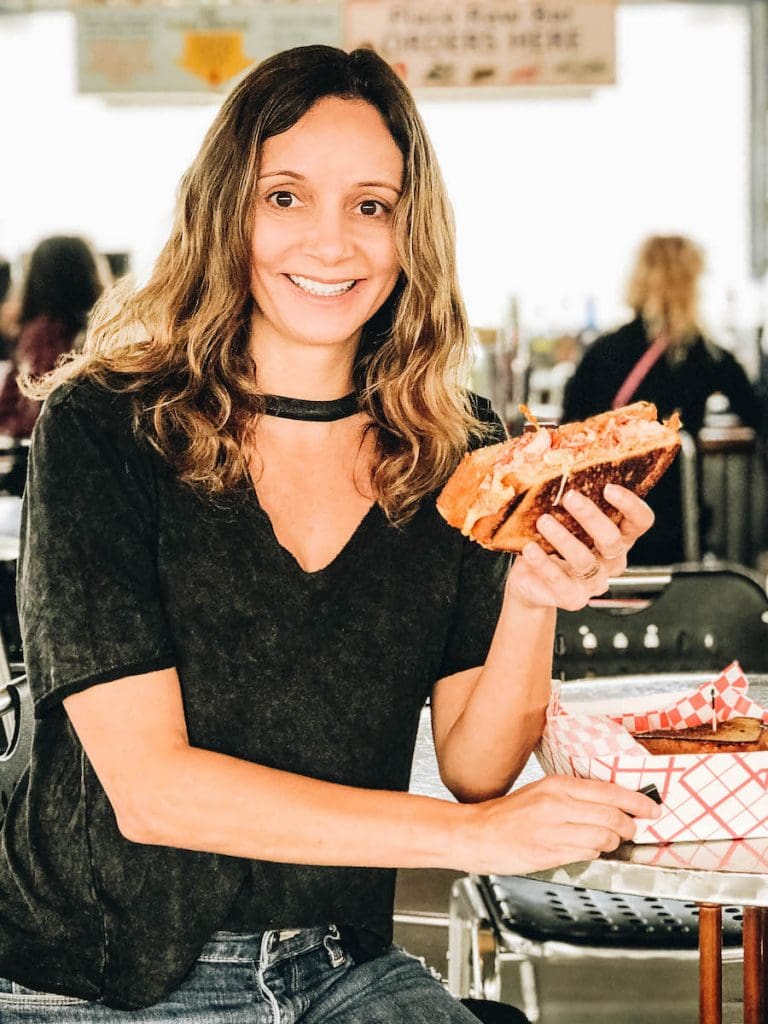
482 42
192 48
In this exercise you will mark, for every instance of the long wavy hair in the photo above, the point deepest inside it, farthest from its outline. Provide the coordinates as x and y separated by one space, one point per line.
664 287
180 342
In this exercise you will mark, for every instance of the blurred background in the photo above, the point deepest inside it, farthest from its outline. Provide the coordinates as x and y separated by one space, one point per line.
555 180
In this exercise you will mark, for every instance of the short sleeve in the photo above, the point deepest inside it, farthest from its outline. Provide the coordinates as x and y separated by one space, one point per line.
478 606
480 590
88 594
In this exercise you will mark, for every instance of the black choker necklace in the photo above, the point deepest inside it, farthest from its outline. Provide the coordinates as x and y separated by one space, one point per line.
306 409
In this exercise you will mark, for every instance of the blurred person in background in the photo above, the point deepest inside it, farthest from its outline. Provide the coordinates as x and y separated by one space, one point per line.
662 356
6 320
63 279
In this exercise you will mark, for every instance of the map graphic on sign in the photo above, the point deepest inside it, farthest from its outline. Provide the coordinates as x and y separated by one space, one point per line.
215 57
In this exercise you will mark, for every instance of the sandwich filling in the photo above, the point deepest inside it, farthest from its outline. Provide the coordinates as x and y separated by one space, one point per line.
546 451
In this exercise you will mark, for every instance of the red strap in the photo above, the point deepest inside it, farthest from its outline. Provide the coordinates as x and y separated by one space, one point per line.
639 372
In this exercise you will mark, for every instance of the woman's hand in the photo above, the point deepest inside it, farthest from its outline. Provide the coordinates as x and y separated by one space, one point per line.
574 575
555 820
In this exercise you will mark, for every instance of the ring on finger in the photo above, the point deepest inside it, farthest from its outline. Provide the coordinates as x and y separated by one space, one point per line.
586 574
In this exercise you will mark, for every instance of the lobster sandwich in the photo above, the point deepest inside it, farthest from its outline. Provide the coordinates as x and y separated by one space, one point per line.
497 493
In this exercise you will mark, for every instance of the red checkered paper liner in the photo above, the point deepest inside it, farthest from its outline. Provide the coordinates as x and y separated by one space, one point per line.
695 708
705 796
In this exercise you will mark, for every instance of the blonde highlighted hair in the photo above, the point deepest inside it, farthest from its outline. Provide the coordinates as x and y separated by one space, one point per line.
663 287
180 343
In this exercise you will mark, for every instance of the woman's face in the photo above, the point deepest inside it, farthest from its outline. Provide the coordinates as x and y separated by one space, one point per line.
323 254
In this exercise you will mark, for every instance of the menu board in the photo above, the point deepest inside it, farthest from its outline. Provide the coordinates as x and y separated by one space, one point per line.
193 46
488 42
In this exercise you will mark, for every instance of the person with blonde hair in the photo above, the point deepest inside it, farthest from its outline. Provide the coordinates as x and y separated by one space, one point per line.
662 356
236 595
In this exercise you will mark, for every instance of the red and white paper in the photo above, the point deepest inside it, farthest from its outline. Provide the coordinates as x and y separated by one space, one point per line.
705 796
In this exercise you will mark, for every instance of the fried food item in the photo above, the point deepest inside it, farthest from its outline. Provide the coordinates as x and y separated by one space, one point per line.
737 735
497 493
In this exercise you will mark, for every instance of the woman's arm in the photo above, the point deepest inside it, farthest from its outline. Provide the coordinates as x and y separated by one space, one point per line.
165 792
487 721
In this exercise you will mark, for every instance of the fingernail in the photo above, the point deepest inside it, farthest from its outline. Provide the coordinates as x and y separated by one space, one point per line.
574 499
545 520
611 491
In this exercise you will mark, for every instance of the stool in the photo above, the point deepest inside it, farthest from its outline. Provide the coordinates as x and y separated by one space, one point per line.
499 921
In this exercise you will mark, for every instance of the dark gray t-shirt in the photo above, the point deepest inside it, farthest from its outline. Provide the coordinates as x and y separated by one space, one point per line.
125 570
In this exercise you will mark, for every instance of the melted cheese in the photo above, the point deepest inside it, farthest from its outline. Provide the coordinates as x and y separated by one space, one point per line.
492 495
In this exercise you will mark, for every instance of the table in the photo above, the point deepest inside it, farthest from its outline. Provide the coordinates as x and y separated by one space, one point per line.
712 874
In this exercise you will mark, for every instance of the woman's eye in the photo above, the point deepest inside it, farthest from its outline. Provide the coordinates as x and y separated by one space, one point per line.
372 208
282 198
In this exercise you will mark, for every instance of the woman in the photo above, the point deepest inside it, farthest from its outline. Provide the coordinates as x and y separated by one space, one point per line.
663 357
233 625
63 280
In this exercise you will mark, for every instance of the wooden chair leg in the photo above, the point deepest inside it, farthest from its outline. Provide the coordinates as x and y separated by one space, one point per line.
763 919
710 964
753 966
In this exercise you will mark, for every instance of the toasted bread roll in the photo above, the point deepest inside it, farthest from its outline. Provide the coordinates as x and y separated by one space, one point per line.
738 735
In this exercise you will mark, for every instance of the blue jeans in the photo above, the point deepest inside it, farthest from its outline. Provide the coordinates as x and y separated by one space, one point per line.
268 978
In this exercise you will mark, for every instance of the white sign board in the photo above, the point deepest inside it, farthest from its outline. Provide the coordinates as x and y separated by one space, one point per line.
191 48
488 42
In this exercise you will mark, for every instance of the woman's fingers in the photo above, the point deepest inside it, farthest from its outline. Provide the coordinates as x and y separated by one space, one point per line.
629 801
579 571
637 516
608 538
580 558
611 541
595 802
556 820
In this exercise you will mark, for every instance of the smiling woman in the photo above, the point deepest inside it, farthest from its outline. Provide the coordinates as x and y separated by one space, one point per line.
236 595
324 259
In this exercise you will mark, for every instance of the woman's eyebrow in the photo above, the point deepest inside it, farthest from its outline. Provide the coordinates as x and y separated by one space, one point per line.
301 177
378 184
284 174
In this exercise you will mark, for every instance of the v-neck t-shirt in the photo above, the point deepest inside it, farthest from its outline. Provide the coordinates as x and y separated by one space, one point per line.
126 570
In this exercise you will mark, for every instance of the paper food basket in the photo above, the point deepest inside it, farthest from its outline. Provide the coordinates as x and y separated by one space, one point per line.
704 796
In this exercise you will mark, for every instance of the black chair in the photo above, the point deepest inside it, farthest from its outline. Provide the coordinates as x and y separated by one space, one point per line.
490 1012
14 453
16 726
14 456
502 927
686 618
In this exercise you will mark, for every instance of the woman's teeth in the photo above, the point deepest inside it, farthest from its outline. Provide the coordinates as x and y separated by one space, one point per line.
318 288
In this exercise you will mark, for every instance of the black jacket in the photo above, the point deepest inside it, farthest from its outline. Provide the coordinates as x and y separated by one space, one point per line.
684 384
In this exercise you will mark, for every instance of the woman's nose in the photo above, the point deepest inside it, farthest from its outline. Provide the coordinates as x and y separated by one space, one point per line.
328 237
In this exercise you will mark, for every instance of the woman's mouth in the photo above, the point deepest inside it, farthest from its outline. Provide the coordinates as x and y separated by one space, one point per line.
321 288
